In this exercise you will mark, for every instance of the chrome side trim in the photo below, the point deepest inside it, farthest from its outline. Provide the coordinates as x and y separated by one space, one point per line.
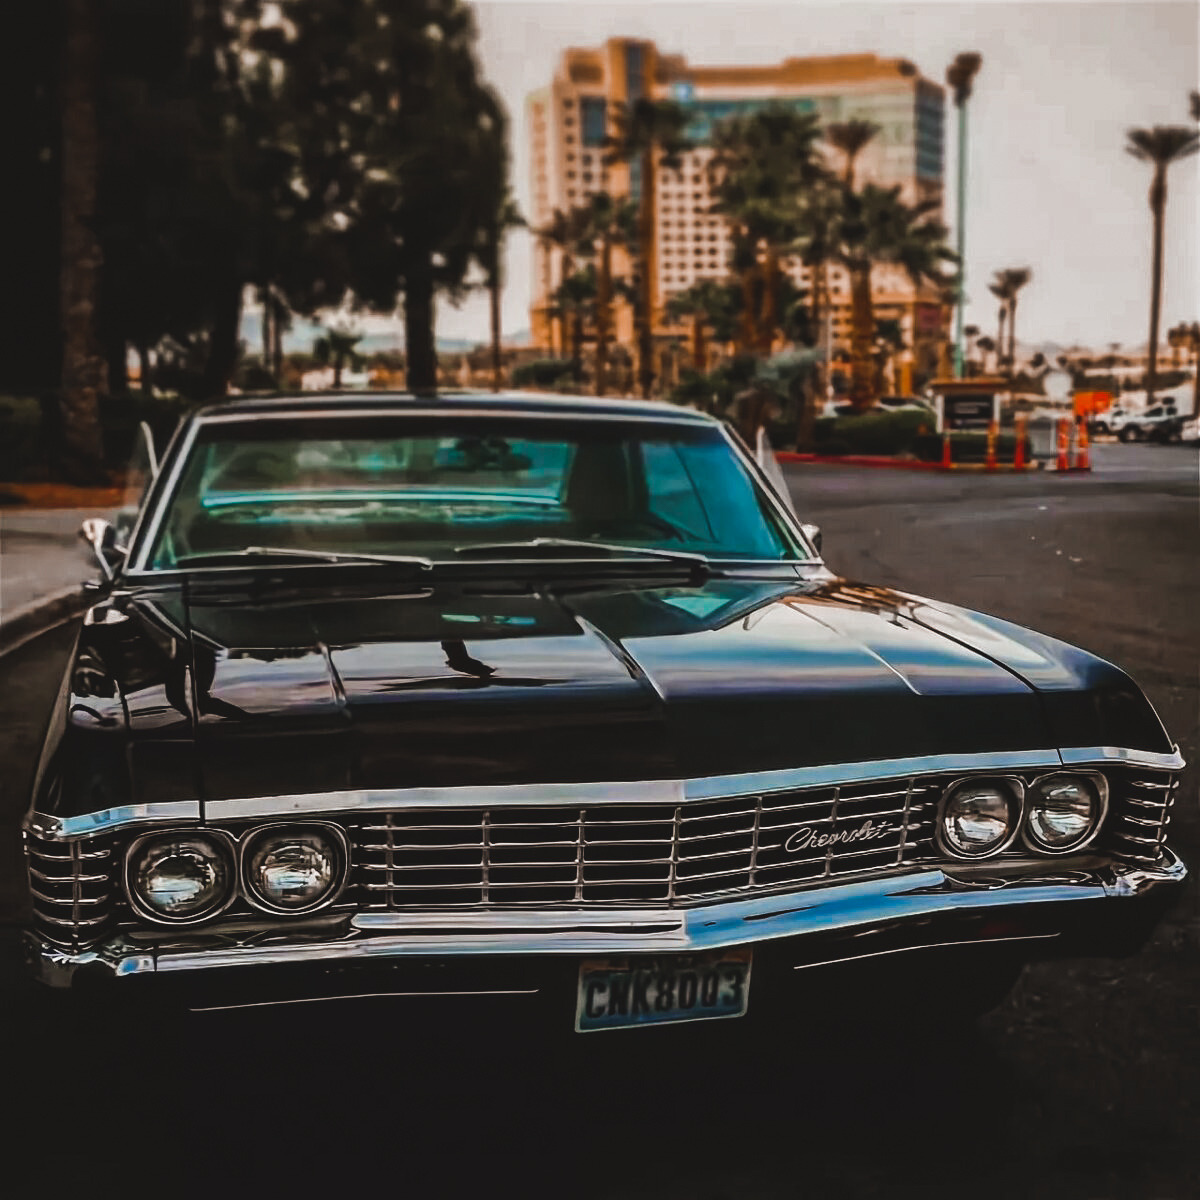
862 906
988 941
651 791
1082 755
368 996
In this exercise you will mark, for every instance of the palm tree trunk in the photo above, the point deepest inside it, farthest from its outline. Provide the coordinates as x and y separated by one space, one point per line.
603 307
770 297
223 345
749 326
419 349
645 338
862 325
1012 333
699 348
1158 202
566 270
494 315
83 367
265 297
277 343
1000 354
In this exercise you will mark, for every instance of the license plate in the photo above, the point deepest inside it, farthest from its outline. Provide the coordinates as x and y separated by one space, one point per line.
624 993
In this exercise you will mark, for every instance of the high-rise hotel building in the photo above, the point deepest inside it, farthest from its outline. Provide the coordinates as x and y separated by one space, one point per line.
569 120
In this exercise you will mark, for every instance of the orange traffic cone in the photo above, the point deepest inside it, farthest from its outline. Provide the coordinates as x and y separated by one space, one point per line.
946 451
1083 460
1019 448
1062 463
991 446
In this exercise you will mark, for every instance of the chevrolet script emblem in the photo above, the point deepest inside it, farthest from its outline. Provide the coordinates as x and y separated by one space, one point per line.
806 837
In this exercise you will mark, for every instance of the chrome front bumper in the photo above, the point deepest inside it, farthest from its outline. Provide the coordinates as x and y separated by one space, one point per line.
1088 905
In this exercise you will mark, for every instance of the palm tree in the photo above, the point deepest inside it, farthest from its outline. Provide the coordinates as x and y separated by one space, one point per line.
1017 278
563 233
1160 146
707 304
999 287
609 222
649 134
878 227
336 346
850 137
84 370
574 299
507 216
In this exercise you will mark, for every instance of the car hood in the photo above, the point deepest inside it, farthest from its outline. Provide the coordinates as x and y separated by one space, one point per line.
236 697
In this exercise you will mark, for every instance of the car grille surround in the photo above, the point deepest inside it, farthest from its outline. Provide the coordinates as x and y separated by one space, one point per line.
638 853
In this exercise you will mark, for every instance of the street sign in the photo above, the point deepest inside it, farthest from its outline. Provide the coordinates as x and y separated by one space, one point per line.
968 410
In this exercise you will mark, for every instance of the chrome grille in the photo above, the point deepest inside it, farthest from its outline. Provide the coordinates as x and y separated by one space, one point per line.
72 887
1140 811
658 853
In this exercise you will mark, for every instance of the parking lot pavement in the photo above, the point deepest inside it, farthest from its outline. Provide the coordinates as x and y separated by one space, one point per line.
1085 1085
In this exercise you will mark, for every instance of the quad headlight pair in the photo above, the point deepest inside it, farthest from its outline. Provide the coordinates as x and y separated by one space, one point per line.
1055 814
191 875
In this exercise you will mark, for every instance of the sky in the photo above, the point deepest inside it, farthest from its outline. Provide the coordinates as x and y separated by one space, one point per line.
1049 183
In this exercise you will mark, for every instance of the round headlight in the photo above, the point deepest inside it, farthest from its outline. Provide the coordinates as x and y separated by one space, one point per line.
293 869
979 817
1063 812
180 876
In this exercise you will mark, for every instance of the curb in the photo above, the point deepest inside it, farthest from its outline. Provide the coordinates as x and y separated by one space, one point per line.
40 616
903 464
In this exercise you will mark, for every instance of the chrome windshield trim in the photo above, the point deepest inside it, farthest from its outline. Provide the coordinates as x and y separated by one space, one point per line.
1082 755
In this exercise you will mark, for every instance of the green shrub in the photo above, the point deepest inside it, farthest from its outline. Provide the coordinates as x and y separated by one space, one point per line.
20 435
883 433
543 372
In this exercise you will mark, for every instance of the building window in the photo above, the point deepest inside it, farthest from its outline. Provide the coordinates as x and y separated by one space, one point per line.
594 120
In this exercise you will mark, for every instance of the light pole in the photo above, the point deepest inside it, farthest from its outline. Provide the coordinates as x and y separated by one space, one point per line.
959 75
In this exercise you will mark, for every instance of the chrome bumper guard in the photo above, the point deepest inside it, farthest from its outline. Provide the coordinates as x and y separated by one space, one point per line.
852 910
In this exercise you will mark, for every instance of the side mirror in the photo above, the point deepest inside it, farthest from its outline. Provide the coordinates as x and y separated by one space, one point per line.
813 533
102 537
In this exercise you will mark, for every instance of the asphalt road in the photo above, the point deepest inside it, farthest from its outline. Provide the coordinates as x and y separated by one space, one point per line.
1085 1084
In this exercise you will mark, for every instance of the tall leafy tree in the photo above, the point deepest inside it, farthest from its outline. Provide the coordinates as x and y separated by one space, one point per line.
607 222
878 227
83 367
708 306
566 232
1160 147
649 135
1011 280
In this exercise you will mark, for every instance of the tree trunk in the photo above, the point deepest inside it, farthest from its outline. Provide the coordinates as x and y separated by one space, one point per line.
145 370
223 347
566 271
277 343
770 306
339 361
494 315
603 311
1158 202
577 344
419 347
699 349
749 326
83 367
645 337
862 324
267 340
1012 333
1000 338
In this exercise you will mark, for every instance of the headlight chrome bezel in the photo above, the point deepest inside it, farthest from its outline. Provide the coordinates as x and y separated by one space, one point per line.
1099 783
227 848
1016 788
336 836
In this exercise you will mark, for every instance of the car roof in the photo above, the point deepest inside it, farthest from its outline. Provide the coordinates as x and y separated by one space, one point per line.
514 403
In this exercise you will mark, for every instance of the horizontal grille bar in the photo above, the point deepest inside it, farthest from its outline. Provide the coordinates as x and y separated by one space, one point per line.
657 853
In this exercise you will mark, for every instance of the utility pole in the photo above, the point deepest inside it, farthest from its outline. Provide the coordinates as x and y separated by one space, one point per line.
959 75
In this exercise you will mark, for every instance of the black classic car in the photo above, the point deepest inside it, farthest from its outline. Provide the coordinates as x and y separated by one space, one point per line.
537 696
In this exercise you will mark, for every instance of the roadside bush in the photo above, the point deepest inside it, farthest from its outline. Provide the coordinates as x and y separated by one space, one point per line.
544 373
20 436
884 433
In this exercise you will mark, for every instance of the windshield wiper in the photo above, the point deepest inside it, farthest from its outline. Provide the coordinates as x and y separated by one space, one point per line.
327 556
570 544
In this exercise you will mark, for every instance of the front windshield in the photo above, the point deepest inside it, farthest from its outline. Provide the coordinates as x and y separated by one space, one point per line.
435 486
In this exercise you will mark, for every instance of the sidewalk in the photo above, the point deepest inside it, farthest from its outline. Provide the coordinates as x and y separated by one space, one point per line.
42 566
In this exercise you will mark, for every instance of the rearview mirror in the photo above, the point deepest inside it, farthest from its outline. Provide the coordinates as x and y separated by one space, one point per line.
813 533
102 537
